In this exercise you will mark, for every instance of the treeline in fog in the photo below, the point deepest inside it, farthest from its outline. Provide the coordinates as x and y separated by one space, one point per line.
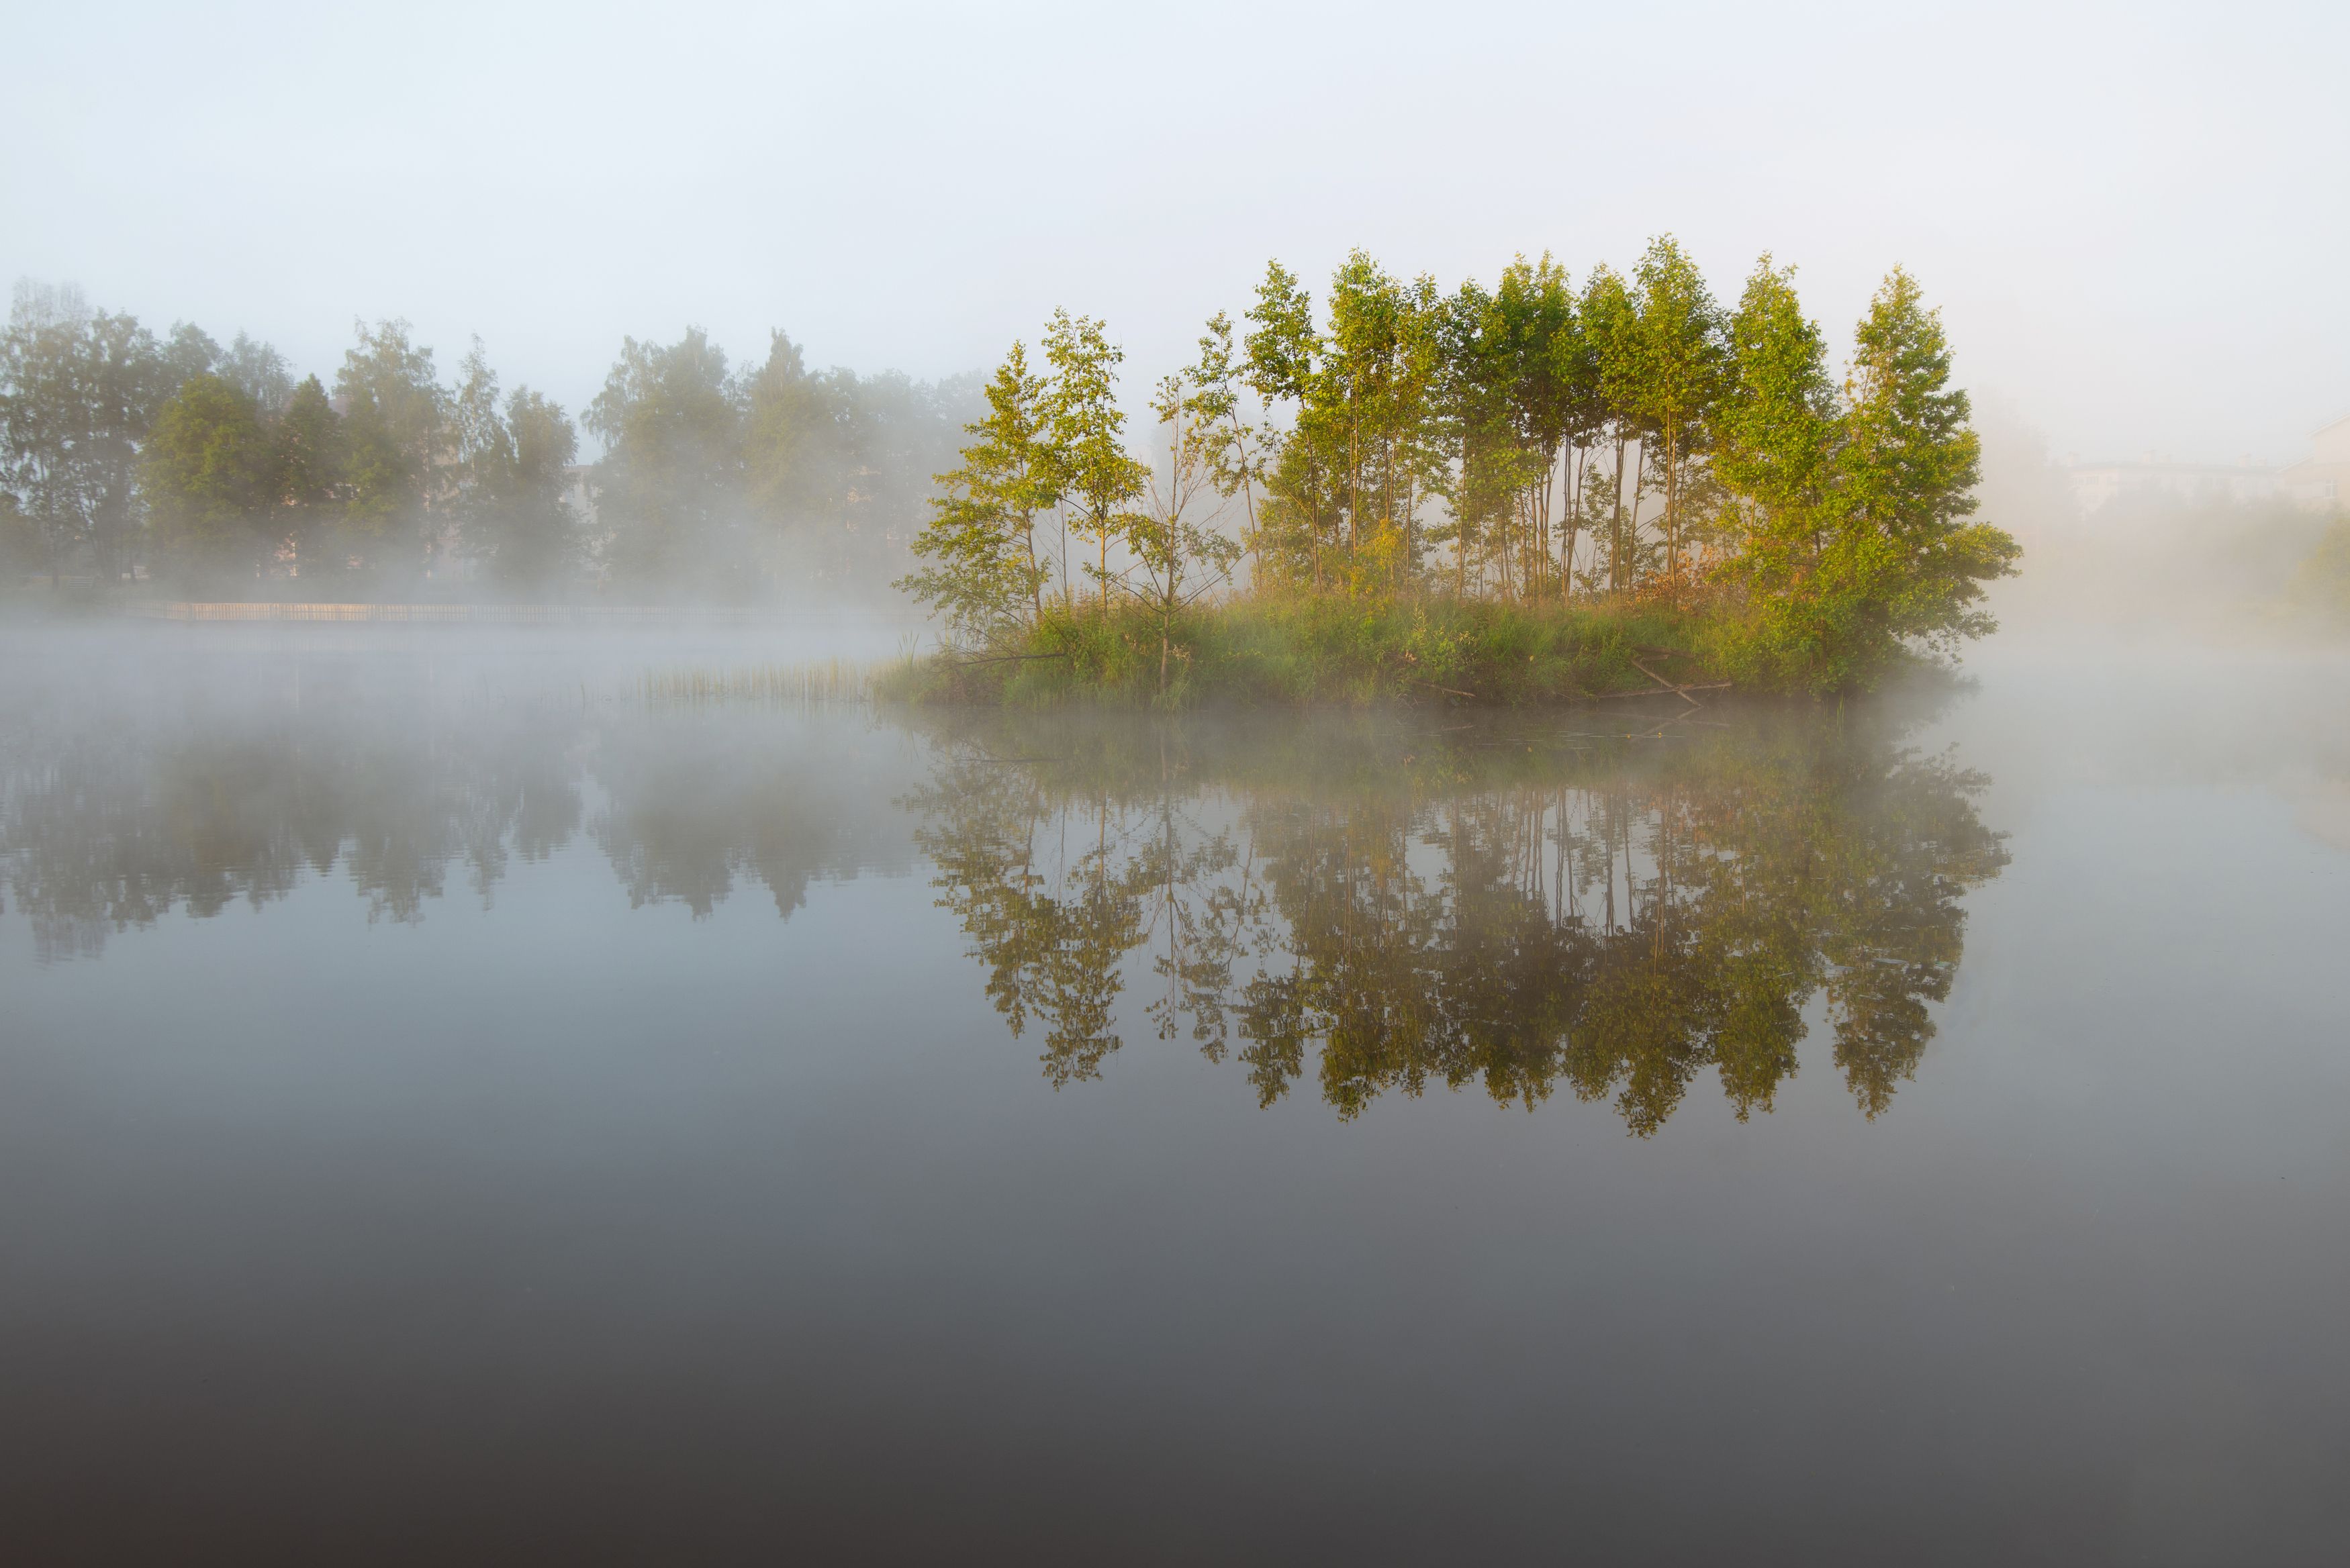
131 455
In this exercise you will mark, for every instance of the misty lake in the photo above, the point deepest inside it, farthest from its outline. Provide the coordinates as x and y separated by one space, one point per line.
452 1105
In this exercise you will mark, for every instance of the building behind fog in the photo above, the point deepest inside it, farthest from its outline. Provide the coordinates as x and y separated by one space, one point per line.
2323 477
2095 484
2317 482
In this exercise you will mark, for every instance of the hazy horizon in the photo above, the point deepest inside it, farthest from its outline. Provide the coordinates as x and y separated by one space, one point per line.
2129 218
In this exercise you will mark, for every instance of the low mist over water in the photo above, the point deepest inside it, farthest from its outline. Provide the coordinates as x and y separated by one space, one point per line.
434 1052
1253 785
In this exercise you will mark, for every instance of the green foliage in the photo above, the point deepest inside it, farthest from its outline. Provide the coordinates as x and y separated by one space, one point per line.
1523 442
394 435
1674 378
982 571
1345 485
729 484
1611 327
1300 648
1864 546
1809 537
670 483
510 505
1179 560
536 537
309 463
1092 472
790 457
1775 434
1380 908
1517 379
209 467
1234 450
79 389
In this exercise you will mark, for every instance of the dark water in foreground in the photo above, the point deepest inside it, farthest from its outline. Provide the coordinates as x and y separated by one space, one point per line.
453 1109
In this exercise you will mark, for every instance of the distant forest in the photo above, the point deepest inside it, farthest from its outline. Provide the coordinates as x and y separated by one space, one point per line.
125 454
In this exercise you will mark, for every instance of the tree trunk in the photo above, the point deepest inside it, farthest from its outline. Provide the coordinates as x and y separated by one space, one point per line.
1615 526
1573 524
1248 500
1672 512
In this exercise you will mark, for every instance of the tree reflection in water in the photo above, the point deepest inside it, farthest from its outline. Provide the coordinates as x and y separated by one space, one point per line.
115 811
1508 903
1516 908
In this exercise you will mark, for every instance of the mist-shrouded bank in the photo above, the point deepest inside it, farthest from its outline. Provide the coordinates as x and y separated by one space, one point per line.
1611 445
152 462
1626 449
2195 556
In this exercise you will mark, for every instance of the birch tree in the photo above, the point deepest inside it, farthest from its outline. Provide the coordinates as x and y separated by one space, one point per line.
1677 370
1094 473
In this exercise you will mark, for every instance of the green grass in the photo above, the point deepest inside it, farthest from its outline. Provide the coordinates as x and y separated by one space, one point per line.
1297 650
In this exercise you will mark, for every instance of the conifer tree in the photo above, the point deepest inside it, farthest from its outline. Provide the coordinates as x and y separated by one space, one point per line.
984 572
1906 563
1777 431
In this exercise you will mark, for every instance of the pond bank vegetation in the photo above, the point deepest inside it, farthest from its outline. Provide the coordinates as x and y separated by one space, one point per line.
1308 648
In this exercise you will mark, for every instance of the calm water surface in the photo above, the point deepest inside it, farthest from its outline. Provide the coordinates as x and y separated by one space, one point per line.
453 1108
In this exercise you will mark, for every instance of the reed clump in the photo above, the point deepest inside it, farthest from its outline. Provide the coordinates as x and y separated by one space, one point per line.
827 682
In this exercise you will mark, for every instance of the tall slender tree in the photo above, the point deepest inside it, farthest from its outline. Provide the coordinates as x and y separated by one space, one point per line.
982 571
1092 469
1777 432
1234 449
1183 558
1611 327
1677 356
1284 350
1907 562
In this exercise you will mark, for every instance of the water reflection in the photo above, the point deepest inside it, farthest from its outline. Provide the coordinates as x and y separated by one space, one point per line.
113 816
1380 905
1514 909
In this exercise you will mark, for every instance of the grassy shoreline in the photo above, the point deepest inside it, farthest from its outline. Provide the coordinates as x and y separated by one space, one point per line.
1295 651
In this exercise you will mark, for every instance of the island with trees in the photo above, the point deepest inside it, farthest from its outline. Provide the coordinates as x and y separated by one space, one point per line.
1529 491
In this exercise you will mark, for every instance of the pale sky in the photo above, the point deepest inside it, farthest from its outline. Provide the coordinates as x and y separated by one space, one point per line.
2136 217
